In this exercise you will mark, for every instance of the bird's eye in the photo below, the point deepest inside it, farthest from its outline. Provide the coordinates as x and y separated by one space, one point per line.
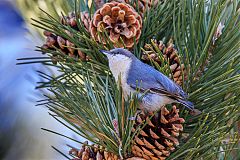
115 53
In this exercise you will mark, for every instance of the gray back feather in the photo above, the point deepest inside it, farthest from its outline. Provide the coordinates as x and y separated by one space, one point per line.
149 78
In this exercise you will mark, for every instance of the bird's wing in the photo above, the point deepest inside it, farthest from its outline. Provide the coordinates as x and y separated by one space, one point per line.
147 78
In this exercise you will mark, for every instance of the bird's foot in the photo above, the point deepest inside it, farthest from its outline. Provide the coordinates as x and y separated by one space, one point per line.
135 116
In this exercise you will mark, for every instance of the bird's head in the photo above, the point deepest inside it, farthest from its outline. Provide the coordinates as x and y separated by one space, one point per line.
118 55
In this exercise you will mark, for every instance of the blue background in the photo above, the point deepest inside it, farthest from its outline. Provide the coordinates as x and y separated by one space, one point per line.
20 120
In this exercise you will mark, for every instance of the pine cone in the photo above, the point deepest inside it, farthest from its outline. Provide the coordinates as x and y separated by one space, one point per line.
71 20
120 21
93 152
160 136
170 54
54 41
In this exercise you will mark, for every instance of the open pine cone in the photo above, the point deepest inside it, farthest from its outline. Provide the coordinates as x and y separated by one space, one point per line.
170 54
55 41
160 136
71 20
120 21
93 152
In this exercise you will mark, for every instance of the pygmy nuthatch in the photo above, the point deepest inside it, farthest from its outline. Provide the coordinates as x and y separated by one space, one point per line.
158 88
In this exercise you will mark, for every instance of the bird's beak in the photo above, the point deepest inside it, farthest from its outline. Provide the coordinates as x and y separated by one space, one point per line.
105 52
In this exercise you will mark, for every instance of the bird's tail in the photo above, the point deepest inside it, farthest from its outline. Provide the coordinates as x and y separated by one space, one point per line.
186 103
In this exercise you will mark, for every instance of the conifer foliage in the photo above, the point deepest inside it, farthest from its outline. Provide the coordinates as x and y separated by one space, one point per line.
195 42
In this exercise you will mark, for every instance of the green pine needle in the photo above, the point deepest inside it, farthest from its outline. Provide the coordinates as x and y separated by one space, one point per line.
85 97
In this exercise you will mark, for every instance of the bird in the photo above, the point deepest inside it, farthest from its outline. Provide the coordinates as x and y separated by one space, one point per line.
155 89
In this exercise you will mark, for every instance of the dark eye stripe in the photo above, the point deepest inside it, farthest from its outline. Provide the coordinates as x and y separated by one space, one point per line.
115 53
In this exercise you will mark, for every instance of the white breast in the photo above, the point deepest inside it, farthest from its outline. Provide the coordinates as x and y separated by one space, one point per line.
120 65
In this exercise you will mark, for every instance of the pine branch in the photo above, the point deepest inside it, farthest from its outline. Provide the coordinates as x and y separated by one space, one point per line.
79 96
86 99
157 23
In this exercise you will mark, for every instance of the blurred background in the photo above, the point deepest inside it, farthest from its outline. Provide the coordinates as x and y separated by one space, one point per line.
21 121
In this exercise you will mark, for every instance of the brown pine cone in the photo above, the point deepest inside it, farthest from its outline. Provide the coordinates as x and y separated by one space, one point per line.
121 23
54 41
160 136
170 55
93 152
71 20
85 18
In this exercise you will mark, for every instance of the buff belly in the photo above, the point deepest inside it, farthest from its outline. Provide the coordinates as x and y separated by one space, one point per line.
152 102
